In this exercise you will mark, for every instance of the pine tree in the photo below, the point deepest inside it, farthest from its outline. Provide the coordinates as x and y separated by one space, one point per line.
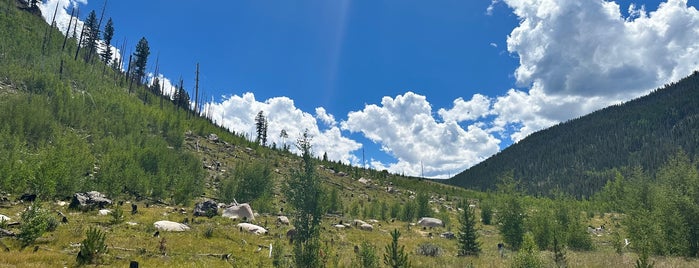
261 126
395 256
559 252
467 236
423 205
304 193
141 60
108 35
91 33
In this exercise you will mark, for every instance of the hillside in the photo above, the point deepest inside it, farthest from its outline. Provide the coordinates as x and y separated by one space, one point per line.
576 157
70 124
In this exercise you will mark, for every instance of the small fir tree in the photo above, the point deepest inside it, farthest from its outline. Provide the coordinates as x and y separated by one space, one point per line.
467 236
395 256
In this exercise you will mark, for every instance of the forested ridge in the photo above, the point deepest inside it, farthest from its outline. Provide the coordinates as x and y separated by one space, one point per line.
577 157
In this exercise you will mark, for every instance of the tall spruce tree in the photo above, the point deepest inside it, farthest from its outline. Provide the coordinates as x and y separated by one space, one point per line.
467 236
108 35
141 60
261 126
91 32
304 193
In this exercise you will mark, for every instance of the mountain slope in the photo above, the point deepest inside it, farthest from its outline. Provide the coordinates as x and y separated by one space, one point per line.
574 156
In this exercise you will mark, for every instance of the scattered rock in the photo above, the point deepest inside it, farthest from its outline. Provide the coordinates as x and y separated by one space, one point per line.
249 227
170 226
283 220
4 218
430 222
104 212
89 200
213 137
207 208
242 211
448 235
366 227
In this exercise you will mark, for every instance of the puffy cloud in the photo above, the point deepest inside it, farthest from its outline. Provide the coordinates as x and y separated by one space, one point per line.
238 113
579 56
477 107
406 129
328 119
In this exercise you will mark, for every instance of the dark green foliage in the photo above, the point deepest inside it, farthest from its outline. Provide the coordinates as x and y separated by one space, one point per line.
108 35
261 127
303 192
90 34
575 156
486 213
467 237
366 256
92 247
34 224
428 249
140 60
395 255
423 205
278 252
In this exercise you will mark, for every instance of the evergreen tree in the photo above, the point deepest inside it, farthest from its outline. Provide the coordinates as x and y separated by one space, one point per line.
559 252
108 35
304 193
467 236
141 60
366 256
261 126
91 34
395 256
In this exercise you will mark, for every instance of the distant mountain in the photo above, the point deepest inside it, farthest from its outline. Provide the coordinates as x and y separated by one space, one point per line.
574 157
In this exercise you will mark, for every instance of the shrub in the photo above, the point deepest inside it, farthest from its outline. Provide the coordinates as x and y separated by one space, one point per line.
34 224
366 256
209 232
92 247
429 249
117 215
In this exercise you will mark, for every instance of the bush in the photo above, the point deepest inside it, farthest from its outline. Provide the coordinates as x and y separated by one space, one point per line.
429 249
117 215
92 247
209 232
34 224
366 256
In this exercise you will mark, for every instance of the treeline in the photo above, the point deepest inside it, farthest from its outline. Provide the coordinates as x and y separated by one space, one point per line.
575 157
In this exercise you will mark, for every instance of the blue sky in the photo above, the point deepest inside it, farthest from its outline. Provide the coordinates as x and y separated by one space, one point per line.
418 86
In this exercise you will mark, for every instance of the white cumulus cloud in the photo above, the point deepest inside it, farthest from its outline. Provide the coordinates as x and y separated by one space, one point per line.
238 113
406 129
579 56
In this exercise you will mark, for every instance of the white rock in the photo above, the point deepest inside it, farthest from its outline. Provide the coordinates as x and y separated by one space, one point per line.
104 212
170 226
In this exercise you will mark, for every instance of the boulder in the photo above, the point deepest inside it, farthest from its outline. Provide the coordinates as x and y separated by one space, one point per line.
430 222
366 227
249 227
239 212
339 226
448 235
207 208
364 181
104 212
358 223
170 226
283 220
213 137
4 218
89 200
